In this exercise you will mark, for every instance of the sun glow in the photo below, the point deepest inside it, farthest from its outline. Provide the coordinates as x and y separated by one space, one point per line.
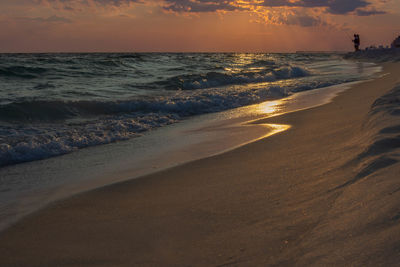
192 25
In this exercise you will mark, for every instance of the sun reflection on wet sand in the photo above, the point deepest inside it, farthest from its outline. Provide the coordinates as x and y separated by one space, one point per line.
274 129
268 129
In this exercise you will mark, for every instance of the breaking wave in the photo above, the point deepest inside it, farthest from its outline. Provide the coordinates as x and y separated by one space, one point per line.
215 79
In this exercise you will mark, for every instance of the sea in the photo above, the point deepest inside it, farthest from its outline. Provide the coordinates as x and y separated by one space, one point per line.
53 104
64 116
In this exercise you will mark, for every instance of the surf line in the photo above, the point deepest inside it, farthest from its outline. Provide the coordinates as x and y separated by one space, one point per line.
272 129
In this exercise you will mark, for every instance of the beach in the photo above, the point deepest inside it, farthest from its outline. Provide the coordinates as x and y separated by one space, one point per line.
73 122
324 192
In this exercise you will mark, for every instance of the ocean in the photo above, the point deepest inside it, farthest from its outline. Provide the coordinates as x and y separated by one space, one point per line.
54 104
74 122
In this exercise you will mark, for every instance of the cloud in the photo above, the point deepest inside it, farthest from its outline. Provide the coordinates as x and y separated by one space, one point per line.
268 11
117 2
302 18
369 12
100 2
304 21
200 6
332 6
52 19
336 7
345 6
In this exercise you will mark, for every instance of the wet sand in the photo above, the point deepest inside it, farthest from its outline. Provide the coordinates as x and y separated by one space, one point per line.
295 198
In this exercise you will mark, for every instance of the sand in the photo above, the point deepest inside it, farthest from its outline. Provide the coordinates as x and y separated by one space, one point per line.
302 197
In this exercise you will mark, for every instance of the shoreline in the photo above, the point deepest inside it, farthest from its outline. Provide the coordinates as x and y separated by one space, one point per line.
261 203
204 136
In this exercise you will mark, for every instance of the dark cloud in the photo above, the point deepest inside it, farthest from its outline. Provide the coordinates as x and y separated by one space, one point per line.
339 7
101 2
117 2
369 12
333 6
345 6
358 7
199 5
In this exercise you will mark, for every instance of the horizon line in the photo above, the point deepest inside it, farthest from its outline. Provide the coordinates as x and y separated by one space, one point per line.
178 52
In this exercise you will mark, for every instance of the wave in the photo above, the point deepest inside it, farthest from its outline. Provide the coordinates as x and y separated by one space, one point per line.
65 66
54 104
39 142
42 86
41 129
261 63
22 72
103 122
189 72
181 104
216 79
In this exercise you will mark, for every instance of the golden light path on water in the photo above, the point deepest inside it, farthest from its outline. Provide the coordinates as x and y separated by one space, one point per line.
271 107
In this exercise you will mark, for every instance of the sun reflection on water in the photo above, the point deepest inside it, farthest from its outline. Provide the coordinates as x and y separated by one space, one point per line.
270 107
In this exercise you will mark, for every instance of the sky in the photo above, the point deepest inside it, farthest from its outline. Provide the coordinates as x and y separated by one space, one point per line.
195 25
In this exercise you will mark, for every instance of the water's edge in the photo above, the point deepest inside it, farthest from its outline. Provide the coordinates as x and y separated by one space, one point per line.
207 135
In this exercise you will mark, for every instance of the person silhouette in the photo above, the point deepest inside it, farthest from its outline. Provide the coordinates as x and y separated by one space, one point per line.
356 42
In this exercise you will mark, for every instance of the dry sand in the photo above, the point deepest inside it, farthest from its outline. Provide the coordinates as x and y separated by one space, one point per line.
296 198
